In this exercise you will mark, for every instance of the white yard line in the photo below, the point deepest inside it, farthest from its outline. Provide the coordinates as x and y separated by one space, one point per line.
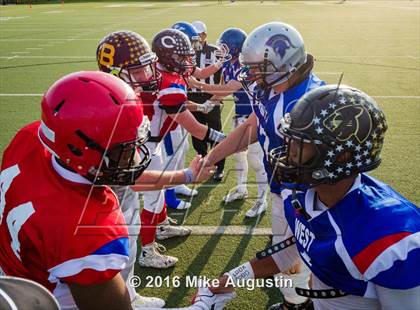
21 95
62 40
48 57
397 97
229 230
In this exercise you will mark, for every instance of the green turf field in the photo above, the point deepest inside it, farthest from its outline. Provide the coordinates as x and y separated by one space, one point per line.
375 44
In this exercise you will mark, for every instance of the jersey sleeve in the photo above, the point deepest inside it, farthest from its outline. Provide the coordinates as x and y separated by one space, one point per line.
92 246
396 268
172 98
237 71
97 267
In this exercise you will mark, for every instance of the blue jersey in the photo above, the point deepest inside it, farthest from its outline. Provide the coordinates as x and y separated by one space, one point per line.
371 237
231 71
269 111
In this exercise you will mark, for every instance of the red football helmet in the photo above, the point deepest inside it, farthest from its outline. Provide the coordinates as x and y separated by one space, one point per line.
93 123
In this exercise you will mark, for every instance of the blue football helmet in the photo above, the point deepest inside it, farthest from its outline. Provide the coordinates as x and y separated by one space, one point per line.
191 33
232 39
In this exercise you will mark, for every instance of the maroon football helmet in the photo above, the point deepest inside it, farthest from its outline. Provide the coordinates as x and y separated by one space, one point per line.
174 51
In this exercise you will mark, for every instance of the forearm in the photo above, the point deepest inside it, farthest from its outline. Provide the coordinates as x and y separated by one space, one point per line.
220 90
187 121
203 73
236 141
264 268
155 180
192 106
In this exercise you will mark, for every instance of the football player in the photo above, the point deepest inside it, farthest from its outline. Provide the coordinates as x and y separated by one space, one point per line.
358 236
191 32
59 224
232 40
280 70
129 56
176 141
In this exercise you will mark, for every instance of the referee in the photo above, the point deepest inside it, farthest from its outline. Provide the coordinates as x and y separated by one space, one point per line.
206 57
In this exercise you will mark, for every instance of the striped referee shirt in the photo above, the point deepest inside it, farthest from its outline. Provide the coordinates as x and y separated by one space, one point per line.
205 58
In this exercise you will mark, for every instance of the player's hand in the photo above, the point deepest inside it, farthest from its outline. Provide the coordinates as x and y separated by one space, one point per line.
201 172
208 106
205 299
223 286
294 269
207 162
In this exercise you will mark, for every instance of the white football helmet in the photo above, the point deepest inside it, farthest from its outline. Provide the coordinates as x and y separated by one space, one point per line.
272 53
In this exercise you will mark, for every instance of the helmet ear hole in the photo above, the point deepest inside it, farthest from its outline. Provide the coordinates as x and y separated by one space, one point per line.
344 158
114 99
76 151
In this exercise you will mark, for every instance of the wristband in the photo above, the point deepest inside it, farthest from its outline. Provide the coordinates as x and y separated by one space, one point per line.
189 176
214 135
241 273
201 108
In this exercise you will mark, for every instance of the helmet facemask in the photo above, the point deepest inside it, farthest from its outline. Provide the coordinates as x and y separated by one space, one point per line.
266 74
223 53
196 44
297 160
142 76
122 163
184 64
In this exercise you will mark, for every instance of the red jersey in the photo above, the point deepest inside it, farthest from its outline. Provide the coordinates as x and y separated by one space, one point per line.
170 99
55 227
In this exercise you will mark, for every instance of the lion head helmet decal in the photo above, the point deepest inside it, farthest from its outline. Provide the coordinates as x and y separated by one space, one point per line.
345 122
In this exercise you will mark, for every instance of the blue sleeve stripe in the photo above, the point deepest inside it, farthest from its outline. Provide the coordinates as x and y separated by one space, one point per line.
116 246
402 274
180 86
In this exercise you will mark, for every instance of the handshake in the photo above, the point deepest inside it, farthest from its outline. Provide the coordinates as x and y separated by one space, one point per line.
199 170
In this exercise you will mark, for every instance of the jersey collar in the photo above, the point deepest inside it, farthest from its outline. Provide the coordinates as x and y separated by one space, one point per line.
311 198
67 174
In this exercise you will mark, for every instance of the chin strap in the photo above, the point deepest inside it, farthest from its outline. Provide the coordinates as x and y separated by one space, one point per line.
298 206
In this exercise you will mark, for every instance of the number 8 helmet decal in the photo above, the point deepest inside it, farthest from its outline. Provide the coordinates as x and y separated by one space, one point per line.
127 55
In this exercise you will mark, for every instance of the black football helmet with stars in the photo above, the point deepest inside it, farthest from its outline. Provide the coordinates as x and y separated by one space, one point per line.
346 128
174 51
